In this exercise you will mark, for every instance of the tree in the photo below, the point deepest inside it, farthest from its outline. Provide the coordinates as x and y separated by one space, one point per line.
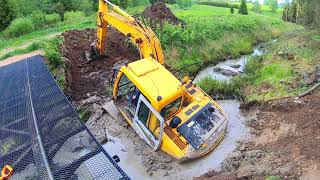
256 7
243 9
274 5
62 6
153 1
232 10
7 14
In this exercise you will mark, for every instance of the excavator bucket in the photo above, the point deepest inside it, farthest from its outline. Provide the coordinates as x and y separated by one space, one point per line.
92 53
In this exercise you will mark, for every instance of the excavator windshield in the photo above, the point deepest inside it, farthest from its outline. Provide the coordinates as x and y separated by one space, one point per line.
171 108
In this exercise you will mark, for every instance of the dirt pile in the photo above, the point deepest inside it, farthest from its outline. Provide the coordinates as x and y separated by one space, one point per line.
160 13
87 79
285 143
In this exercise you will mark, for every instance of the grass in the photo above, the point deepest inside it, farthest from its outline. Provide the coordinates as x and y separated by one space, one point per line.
213 34
38 36
34 46
273 75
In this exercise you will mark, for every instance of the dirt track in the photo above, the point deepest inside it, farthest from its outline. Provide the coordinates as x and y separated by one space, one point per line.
285 141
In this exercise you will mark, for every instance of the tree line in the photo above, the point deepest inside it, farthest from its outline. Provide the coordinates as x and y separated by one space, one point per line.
305 12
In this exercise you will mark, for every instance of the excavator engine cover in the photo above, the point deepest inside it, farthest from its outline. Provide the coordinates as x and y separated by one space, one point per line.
198 126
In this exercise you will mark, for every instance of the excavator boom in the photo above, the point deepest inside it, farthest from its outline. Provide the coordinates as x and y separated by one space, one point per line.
140 34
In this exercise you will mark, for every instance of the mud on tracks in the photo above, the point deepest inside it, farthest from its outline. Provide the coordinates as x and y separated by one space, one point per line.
85 79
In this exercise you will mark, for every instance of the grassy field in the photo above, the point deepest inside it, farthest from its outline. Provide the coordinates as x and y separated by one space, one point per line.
21 44
213 34
274 75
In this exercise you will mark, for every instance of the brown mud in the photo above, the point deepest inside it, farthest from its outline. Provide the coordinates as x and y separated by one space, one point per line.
160 13
285 142
85 79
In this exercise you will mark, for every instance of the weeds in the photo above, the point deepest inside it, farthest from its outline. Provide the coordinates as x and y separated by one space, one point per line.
18 27
84 115
51 50
212 34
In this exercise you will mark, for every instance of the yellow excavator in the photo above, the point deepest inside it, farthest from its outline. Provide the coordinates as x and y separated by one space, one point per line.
174 116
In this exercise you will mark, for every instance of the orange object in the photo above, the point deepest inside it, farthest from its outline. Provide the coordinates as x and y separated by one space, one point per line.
6 172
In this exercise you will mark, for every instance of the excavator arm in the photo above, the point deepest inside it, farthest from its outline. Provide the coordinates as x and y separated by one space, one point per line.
140 34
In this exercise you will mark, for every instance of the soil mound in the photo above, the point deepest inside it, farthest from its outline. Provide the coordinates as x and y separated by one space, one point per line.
160 13
86 79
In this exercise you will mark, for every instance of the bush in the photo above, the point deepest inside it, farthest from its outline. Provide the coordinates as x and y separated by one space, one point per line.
232 10
52 19
220 4
51 50
7 14
243 9
38 18
19 26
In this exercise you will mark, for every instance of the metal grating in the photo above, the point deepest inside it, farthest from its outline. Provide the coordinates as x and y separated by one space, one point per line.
41 135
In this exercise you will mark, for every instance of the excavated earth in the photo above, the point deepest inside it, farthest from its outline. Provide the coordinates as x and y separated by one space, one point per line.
285 142
85 79
160 13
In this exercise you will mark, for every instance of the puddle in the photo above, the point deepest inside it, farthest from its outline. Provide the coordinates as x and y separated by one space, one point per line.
236 131
131 162
225 71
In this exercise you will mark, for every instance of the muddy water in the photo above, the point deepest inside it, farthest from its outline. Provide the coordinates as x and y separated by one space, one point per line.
226 70
236 131
130 161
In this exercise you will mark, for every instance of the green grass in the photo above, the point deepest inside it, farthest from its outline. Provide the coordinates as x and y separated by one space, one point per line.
213 34
38 36
34 46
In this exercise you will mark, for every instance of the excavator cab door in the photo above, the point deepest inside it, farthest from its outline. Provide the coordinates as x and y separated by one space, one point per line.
143 112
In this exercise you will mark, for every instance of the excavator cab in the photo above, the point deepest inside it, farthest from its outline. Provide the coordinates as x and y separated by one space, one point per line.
178 118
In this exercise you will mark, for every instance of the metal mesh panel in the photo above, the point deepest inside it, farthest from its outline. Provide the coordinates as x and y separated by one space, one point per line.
41 135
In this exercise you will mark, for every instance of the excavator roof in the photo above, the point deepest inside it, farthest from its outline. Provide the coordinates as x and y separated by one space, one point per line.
154 80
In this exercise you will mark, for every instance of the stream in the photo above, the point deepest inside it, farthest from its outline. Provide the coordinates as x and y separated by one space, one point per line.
237 130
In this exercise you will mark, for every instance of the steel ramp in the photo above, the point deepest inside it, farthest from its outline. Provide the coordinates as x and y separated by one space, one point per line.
41 135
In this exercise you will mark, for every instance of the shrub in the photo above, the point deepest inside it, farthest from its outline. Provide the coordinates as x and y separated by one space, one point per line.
73 16
220 4
38 18
274 5
7 14
243 9
51 50
232 10
52 19
19 26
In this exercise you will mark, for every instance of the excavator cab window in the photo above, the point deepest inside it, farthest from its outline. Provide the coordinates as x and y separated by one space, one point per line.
171 108
127 95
